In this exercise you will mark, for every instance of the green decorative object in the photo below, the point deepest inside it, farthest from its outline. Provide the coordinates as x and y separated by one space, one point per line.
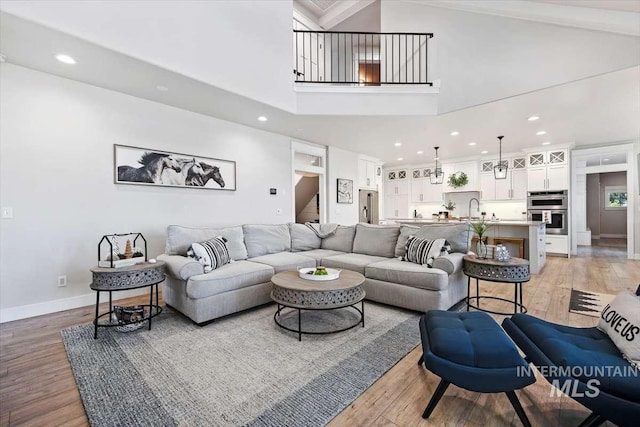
450 205
458 179
480 227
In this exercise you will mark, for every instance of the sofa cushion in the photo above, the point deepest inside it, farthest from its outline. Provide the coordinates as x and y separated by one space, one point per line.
179 239
229 277
377 240
181 267
353 262
320 254
451 263
422 251
303 238
265 239
408 273
457 235
284 261
341 240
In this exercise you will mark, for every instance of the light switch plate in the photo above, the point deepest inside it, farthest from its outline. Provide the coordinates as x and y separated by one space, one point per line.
7 213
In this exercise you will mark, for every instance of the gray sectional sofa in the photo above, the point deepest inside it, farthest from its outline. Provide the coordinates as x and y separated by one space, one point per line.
260 251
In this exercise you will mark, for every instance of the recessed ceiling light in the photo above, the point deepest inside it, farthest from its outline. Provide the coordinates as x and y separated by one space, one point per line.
420 152
65 58
397 144
472 143
400 159
455 133
542 132
262 119
484 152
533 118
546 143
162 88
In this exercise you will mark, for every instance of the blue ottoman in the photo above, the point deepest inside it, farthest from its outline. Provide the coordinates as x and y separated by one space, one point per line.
470 350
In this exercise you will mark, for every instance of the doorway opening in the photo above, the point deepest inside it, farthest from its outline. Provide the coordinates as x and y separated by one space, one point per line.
607 214
307 195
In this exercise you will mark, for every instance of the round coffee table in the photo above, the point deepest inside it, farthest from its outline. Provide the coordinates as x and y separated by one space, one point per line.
292 291
515 270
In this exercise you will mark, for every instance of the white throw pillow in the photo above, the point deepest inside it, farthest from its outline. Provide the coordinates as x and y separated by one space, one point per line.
620 320
422 251
212 253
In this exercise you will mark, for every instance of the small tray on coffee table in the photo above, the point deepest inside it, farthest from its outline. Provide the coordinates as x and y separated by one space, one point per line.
307 274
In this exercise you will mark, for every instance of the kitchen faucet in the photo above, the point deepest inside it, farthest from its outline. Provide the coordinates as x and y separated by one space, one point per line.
477 201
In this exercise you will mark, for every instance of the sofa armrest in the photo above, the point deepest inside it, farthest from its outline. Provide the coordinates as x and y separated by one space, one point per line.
451 263
181 267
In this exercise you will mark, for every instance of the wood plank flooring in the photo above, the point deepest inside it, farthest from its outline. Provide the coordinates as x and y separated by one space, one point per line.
37 387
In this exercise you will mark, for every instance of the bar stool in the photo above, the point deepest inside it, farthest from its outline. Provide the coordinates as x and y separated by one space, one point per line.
519 241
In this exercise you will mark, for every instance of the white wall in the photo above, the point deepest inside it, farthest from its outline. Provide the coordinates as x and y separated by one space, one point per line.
241 46
467 46
56 146
342 164
636 179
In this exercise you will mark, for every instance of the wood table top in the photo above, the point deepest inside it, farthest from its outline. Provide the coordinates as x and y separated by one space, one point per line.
291 280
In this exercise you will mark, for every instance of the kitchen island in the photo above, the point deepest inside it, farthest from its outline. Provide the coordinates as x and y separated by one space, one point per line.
532 231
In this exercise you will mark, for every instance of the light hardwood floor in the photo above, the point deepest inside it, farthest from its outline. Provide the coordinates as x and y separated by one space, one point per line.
37 386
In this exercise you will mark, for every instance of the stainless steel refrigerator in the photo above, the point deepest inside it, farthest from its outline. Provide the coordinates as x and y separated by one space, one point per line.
368 207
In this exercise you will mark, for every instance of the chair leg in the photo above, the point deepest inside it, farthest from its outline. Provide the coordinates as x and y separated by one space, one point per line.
437 395
593 420
421 359
518 407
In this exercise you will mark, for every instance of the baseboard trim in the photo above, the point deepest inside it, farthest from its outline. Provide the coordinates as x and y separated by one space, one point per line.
613 236
48 307
636 256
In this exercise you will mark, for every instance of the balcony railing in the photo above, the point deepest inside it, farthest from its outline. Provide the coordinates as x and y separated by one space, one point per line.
363 59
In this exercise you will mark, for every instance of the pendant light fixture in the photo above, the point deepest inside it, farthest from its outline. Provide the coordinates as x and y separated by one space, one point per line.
437 175
500 170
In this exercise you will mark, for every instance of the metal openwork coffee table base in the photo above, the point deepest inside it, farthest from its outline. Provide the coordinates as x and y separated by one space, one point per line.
515 270
299 331
294 292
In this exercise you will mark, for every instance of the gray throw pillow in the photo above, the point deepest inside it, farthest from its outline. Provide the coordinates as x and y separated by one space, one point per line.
303 238
457 235
265 239
376 240
341 240
180 238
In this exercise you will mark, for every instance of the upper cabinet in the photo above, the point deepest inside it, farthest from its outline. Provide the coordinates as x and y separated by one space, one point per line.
396 182
422 191
548 170
369 174
470 168
512 188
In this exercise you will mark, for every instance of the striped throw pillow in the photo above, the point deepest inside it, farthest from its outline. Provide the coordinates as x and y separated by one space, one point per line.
423 251
212 253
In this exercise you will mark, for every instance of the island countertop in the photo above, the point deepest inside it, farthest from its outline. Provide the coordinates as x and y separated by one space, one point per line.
424 221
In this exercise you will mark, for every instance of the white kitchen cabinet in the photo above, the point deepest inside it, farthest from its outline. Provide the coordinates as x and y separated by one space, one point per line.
470 168
557 244
368 174
396 206
513 187
548 170
422 191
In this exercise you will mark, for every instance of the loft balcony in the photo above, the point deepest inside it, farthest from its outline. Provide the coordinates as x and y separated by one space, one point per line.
339 73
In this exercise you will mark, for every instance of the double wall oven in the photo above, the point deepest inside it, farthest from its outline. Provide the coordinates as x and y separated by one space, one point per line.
551 207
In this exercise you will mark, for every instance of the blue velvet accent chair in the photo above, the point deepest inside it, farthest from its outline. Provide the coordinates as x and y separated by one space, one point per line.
550 346
470 350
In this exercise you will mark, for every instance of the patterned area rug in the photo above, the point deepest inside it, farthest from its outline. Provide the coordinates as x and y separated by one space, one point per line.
588 303
239 370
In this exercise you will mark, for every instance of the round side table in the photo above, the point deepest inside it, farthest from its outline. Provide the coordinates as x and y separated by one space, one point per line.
515 270
126 278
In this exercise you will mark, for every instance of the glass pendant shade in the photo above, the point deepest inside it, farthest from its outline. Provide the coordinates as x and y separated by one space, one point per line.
500 170
437 175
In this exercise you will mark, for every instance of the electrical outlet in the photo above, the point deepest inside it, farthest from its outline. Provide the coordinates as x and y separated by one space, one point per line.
62 281
7 212
278 211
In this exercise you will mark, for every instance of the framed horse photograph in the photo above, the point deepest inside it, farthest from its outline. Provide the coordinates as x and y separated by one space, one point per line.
142 166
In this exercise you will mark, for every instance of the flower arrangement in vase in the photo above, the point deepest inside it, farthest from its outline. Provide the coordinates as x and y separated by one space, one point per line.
480 228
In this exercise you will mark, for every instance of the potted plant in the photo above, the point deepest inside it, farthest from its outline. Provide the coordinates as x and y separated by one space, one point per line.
480 228
450 206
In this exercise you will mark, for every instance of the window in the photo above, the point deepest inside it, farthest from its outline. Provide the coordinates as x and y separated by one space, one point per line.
615 198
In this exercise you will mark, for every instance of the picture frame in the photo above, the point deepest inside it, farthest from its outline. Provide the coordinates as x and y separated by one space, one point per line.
144 166
345 190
